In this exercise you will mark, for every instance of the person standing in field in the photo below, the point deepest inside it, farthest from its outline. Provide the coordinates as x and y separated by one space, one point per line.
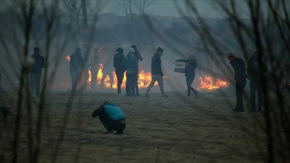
35 72
240 76
75 65
189 72
119 69
131 66
156 72
139 58
111 116
254 73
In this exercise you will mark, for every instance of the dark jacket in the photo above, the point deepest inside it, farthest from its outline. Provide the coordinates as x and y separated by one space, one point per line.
156 65
118 61
254 71
130 63
190 67
139 58
75 62
38 64
239 67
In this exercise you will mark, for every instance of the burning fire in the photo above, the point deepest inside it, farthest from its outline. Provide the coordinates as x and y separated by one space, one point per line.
207 82
67 58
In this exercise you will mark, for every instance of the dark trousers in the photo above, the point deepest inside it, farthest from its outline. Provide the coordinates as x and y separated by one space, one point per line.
74 80
240 85
35 80
120 77
110 124
136 84
254 87
159 80
130 84
189 80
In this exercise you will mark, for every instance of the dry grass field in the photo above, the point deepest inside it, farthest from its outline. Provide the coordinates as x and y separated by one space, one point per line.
175 129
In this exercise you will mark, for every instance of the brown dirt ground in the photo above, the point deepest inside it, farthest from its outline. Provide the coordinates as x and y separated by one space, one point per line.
174 129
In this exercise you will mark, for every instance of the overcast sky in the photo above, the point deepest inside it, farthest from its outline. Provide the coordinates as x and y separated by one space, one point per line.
167 8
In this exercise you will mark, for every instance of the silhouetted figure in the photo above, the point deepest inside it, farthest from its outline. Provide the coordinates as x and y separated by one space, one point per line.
119 69
139 58
75 65
35 72
112 117
254 73
156 72
131 65
85 63
240 76
95 65
189 72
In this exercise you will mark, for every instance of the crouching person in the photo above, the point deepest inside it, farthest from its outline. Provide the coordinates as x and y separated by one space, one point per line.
111 116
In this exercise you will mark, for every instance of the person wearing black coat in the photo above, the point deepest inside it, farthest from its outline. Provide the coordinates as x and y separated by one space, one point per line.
119 69
139 58
35 72
254 73
75 65
156 72
131 65
189 72
240 76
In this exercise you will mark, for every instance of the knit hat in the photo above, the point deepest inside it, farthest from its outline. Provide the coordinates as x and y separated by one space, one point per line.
132 50
231 57
134 47
160 50
119 50
36 50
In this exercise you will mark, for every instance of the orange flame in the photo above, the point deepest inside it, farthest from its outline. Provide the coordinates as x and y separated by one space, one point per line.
67 58
143 82
207 83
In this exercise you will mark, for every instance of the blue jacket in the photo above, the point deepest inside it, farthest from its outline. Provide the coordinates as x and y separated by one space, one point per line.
39 63
111 110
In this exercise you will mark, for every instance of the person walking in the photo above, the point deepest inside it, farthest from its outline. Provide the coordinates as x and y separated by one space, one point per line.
35 72
111 116
139 58
119 69
75 65
131 66
189 72
238 65
156 72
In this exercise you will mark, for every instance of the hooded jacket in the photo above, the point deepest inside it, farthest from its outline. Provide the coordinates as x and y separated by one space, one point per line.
190 67
130 63
118 63
111 110
156 65
39 63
